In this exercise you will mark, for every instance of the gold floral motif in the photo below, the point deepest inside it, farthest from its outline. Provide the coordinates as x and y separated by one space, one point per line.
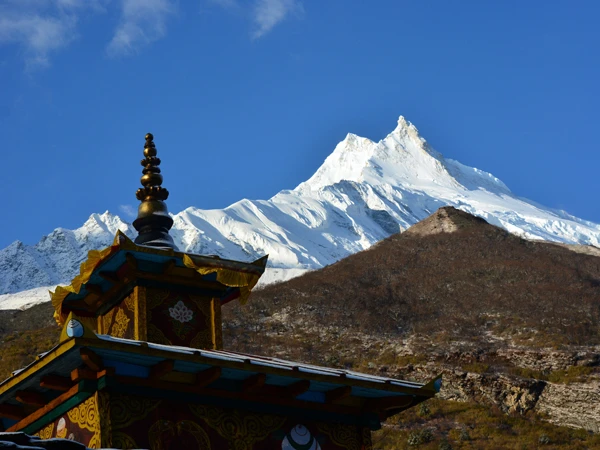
140 315
241 429
46 432
107 321
120 325
123 441
345 436
126 409
165 428
85 415
157 432
130 302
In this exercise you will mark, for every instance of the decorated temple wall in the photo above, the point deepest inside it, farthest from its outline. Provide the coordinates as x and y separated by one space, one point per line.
140 422
167 317
179 318
122 321
123 421
82 423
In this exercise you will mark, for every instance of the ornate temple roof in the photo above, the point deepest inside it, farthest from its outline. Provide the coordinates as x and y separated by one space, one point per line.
124 264
85 362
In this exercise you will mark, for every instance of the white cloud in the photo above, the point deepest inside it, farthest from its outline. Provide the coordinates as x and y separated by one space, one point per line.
142 22
268 13
265 14
129 211
41 27
37 34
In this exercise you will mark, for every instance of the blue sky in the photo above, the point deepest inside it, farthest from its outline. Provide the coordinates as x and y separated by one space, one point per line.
246 98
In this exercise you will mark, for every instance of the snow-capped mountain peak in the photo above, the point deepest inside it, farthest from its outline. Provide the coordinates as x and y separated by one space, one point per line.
347 162
402 158
104 223
363 192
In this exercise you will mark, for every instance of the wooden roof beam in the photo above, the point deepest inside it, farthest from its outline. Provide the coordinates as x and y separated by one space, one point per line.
265 395
94 289
86 374
111 277
91 359
40 412
286 392
12 412
208 376
162 368
337 394
254 382
30 398
56 383
297 388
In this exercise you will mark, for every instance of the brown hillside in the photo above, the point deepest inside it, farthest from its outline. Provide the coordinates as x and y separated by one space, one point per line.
477 281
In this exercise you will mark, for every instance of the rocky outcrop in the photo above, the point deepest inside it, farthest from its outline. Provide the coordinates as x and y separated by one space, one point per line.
510 394
544 360
575 405
445 220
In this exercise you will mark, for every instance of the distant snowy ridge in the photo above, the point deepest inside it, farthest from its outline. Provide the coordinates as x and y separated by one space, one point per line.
363 192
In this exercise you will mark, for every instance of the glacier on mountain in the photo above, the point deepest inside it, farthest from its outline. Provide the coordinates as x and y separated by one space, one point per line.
362 193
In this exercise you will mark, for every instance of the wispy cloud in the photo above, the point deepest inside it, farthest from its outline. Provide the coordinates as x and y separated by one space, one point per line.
142 22
41 27
268 13
128 210
38 35
264 14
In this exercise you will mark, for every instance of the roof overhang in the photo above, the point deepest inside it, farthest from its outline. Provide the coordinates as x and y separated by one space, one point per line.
78 367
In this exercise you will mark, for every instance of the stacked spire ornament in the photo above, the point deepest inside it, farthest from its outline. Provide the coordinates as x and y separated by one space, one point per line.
153 221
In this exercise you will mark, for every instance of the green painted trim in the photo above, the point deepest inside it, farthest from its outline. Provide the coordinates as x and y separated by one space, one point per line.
103 383
56 412
86 389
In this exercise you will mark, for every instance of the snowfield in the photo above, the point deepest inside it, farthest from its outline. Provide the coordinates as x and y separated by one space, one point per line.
363 192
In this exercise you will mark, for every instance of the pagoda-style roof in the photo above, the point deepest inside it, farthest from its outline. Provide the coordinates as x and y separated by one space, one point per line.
108 275
78 366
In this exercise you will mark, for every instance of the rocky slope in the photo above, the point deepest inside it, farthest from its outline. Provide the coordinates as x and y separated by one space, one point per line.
363 192
509 322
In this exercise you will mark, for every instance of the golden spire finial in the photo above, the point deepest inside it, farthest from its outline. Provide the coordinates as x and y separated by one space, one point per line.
153 221
151 178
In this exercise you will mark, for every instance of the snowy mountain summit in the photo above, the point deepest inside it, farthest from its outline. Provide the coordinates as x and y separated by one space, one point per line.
403 158
363 192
